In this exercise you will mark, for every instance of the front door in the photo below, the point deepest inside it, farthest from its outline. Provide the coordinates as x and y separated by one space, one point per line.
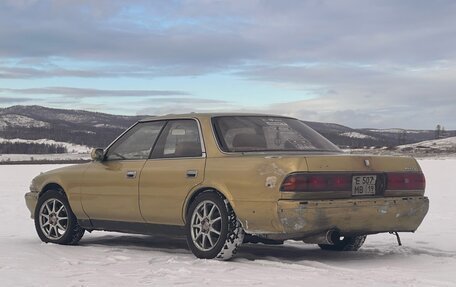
175 168
110 187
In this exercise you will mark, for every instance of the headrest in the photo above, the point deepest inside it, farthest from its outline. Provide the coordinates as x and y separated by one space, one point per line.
249 141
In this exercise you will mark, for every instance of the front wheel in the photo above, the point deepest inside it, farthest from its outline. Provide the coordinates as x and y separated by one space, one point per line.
213 230
346 243
54 220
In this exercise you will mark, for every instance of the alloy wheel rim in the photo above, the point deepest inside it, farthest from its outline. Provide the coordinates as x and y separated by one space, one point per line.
53 219
206 225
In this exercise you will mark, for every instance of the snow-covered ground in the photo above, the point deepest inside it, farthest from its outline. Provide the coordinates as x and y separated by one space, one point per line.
356 135
396 131
439 145
427 258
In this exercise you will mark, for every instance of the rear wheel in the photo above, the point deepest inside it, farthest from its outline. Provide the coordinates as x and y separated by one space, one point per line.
54 220
346 243
213 230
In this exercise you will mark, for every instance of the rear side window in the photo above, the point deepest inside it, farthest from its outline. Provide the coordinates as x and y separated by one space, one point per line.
180 138
135 143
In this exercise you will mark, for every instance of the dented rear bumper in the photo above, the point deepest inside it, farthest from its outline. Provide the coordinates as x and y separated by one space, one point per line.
300 219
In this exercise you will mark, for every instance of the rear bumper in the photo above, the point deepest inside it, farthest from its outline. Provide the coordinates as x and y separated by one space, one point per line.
300 219
31 198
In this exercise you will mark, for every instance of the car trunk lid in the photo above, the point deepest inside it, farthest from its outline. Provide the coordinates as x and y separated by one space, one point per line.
360 163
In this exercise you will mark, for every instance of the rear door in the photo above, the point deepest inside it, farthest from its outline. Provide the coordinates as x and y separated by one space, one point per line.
110 188
174 169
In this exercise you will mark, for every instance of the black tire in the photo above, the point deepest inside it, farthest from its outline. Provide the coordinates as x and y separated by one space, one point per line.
224 245
347 243
70 233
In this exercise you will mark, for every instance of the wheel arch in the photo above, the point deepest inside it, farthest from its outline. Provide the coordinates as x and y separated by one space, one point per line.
192 196
51 186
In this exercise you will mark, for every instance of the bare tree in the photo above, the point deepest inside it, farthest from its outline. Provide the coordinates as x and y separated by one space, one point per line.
438 132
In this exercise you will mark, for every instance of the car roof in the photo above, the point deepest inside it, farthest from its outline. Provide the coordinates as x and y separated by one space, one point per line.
207 115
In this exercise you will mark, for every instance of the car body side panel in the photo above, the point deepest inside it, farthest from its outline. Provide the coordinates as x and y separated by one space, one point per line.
69 178
209 137
252 185
164 186
107 193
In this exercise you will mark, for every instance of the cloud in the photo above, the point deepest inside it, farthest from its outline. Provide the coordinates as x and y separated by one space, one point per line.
219 34
366 63
34 73
87 93
51 70
223 33
80 31
185 106
14 100
151 102
367 96
209 36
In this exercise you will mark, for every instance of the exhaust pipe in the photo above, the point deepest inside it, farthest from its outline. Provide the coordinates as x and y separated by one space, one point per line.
329 237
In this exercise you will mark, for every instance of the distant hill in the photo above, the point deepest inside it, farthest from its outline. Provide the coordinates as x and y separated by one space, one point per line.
358 138
92 129
72 126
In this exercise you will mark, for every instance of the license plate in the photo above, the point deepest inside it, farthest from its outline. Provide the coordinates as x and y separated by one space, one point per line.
363 184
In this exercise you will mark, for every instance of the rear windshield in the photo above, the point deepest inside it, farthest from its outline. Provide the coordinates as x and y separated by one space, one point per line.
261 133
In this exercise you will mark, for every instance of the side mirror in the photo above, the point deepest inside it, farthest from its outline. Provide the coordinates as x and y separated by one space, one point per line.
97 154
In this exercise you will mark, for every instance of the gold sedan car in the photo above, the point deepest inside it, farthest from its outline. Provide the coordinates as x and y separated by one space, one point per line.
224 179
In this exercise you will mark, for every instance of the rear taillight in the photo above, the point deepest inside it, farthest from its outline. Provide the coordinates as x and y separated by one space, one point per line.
406 181
316 182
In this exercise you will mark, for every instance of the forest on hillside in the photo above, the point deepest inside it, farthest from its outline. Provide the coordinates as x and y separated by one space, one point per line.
30 148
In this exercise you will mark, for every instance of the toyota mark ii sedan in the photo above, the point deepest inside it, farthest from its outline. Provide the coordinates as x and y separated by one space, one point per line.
222 180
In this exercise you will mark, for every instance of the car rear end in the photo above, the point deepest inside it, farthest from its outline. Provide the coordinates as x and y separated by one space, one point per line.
320 190
352 195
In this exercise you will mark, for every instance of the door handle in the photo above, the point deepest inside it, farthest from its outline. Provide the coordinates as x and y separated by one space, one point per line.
192 173
131 174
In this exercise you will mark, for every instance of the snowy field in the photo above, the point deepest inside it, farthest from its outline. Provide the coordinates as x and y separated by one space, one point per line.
427 258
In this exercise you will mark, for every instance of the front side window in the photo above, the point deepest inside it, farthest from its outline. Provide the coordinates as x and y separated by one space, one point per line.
136 143
263 133
180 138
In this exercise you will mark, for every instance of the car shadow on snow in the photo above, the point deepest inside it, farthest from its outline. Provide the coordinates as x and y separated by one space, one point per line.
292 252
300 252
138 242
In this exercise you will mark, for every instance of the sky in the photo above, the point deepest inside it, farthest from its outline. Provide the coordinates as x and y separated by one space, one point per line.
378 64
